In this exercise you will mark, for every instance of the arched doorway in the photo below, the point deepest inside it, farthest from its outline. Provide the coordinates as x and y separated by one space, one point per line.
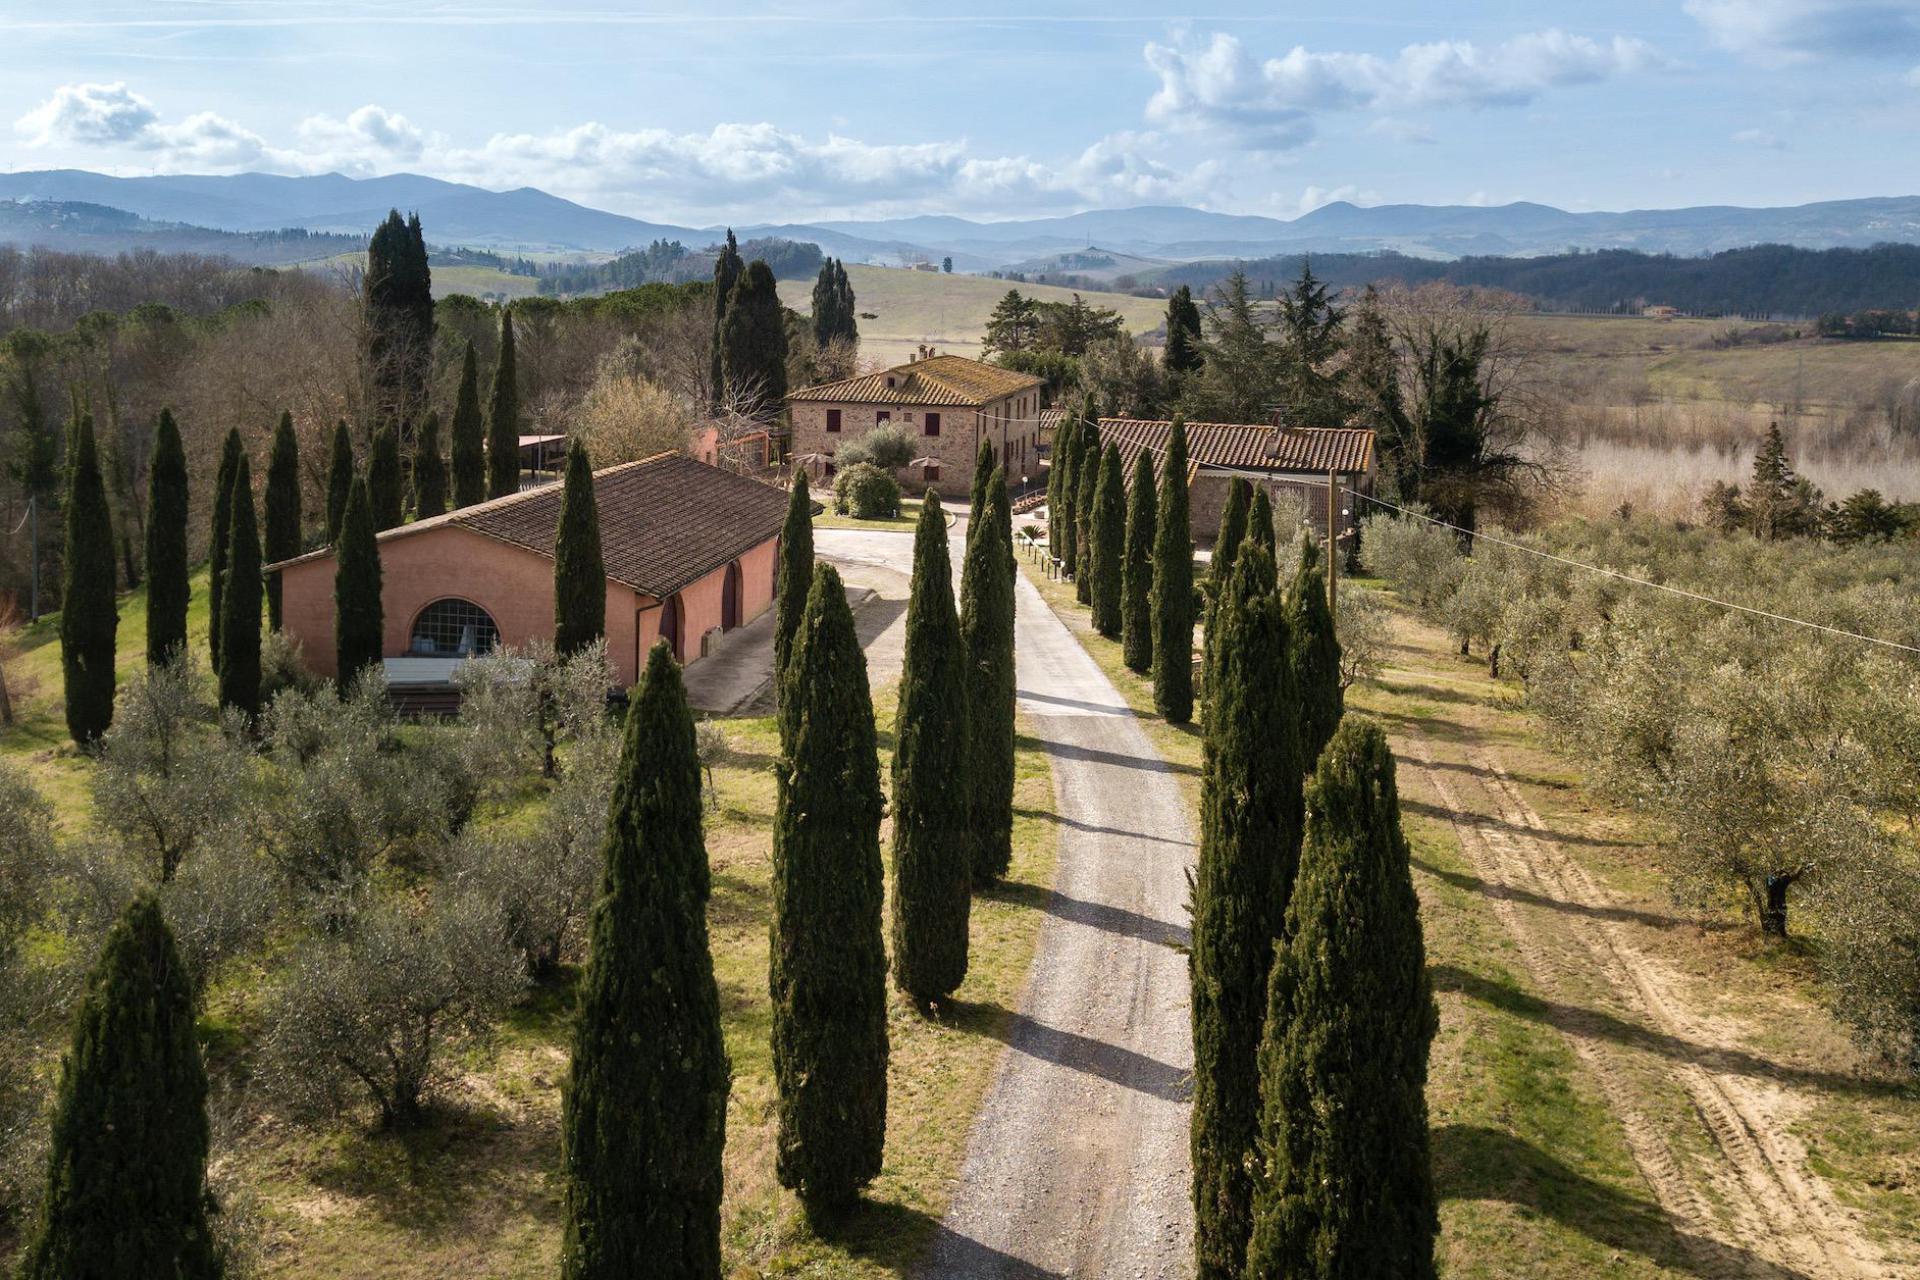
730 591
670 624
452 628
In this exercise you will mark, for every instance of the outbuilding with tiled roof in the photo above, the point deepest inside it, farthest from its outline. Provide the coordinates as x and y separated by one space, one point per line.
689 549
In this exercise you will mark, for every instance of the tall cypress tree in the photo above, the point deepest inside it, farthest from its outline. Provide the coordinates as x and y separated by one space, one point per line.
753 341
849 310
468 444
579 574
386 490
239 619
794 572
1260 520
358 620
230 454
727 268
1173 587
1061 525
503 418
167 589
833 317
986 628
1315 656
1086 484
1344 1178
429 471
1109 543
282 509
127 1165
828 964
397 294
1233 532
88 618
1183 354
644 1115
932 851
340 477
1249 843
1136 570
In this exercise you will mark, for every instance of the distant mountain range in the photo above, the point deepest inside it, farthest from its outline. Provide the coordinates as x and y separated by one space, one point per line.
529 219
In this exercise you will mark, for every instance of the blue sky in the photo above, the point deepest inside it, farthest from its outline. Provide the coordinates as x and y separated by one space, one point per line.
711 112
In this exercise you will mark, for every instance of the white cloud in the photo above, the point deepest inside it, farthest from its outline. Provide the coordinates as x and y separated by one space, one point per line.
1759 138
365 138
90 113
1219 87
1780 32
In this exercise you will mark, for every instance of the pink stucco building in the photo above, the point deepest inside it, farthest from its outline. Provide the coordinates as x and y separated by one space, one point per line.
689 551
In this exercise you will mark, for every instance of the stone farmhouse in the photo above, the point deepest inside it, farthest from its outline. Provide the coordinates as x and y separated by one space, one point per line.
689 551
945 404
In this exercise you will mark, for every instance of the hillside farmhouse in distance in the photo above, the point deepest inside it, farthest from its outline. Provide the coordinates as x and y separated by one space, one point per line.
689 550
1282 460
945 404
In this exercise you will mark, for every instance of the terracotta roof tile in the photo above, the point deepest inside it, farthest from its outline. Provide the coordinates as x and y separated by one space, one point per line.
943 380
665 521
1248 446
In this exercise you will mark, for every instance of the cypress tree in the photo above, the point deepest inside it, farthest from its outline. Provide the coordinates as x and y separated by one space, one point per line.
1061 524
503 418
1183 354
794 572
386 491
127 1166
1233 532
579 574
1136 570
357 617
643 1118
339 479
1344 1182
1315 656
88 618
429 471
932 851
828 964
282 509
239 619
230 454
1249 842
1173 587
1086 483
397 293
727 268
1260 520
753 341
468 443
977 497
1109 529
167 589
986 628
849 311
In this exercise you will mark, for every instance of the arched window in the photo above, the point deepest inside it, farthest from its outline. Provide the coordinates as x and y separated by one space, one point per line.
453 628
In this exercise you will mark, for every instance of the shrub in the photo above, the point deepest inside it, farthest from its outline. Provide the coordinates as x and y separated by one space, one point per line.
370 1010
889 448
865 492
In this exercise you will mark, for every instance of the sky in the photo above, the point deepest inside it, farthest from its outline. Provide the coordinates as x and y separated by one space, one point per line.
708 112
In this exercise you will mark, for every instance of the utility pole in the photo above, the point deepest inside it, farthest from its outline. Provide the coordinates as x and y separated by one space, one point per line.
1333 542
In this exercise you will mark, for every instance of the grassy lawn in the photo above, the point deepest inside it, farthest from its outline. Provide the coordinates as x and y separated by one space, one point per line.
908 517
478 1193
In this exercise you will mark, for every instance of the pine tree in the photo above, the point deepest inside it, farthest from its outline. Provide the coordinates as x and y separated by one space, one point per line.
932 851
986 628
794 571
1312 381
127 1191
1183 332
579 574
167 584
429 471
1136 573
754 342
239 619
1233 532
340 477
1249 842
468 443
643 1119
1086 483
357 611
230 454
1260 520
1173 587
1344 1185
282 509
503 418
1314 655
1109 529
727 269
88 617
386 490
828 964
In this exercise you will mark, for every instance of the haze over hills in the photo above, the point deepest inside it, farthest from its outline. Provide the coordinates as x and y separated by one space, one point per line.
526 218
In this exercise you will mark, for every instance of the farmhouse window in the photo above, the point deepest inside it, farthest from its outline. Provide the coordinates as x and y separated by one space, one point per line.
882 415
833 419
933 424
